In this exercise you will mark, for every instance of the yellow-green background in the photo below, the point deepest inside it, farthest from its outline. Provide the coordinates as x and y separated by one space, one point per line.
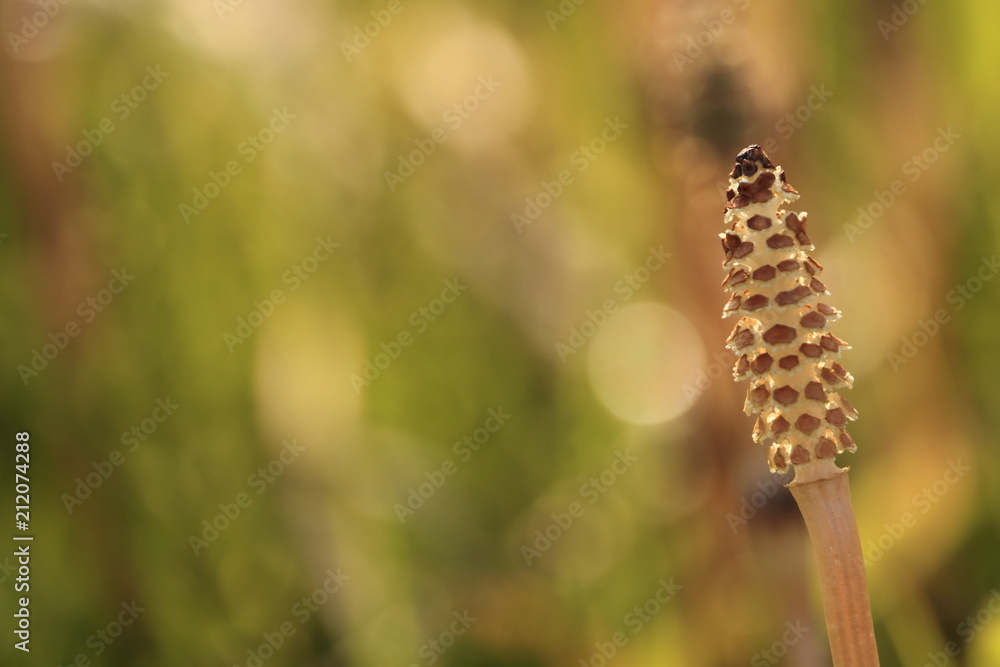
658 184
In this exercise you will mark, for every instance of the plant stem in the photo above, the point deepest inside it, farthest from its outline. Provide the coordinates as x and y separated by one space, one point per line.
825 504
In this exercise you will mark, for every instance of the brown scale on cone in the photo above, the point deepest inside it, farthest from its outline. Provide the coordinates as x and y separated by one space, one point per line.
782 338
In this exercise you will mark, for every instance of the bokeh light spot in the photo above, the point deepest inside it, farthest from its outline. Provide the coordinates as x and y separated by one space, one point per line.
465 77
641 360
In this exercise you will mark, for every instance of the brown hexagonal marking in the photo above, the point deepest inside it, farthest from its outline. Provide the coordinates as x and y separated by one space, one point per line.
788 362
779 425
826 448
764 273
742 365
758 222
791 296
742 250
817 286
779 334
835 417
807 423
847 441
786 395
736 276
733 303
830 342
762 363
764 181
755 302
759 395
810 350
779 241
743 339
852 414
813 320
814 392
778 459
829 376
788 265
799 455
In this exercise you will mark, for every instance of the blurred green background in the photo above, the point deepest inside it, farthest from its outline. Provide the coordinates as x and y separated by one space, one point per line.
387 333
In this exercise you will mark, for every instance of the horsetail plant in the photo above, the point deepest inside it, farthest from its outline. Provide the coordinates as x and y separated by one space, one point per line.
785 350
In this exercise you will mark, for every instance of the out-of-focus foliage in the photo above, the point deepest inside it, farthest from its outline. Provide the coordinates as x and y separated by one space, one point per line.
433 288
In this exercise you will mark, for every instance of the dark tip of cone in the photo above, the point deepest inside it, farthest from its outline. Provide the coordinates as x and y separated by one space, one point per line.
754 154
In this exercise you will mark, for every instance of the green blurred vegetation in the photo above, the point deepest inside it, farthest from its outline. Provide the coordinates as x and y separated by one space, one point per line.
609 129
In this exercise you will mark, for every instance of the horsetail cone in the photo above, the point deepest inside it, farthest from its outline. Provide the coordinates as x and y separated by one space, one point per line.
782 340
